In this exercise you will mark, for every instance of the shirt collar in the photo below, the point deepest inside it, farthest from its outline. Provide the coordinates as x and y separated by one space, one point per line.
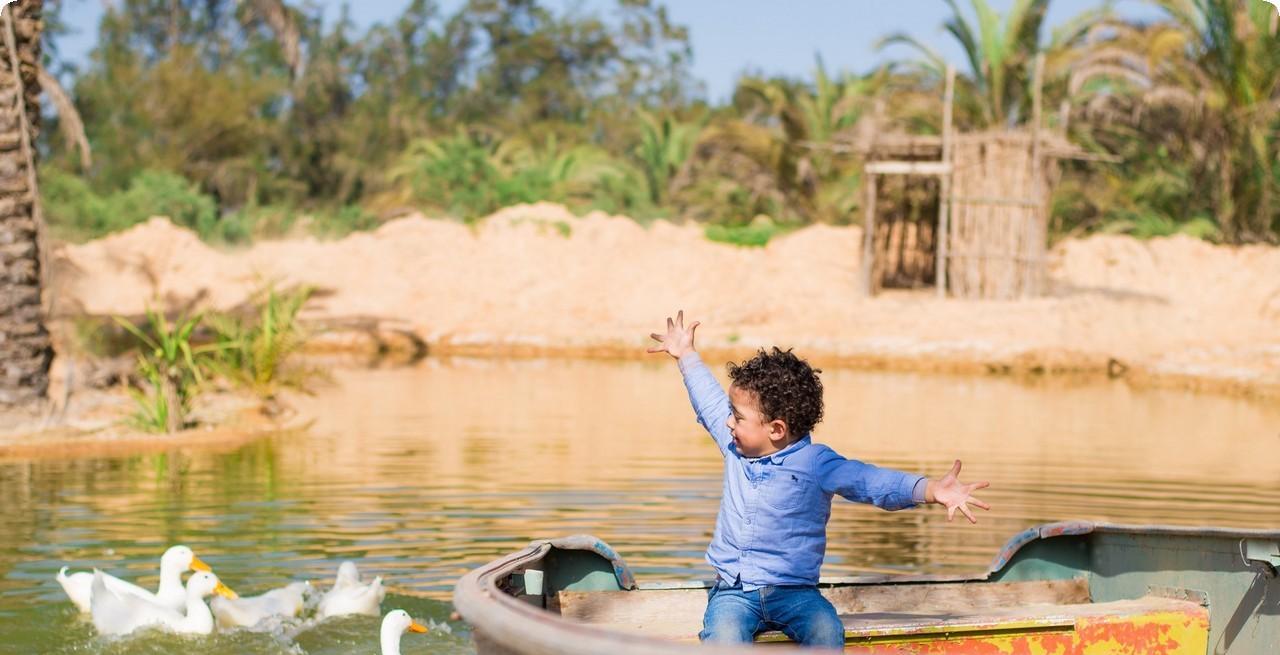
781 456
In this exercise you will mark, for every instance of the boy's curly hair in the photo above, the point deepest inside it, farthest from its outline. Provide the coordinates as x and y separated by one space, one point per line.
787 387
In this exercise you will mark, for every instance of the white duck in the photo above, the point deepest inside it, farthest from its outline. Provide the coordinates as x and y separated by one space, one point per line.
396 623
351 596
287 601
118 614
175 561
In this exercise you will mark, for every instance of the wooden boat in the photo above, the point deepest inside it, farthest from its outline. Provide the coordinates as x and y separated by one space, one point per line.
1072 588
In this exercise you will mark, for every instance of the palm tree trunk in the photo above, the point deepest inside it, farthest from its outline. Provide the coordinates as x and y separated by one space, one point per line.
25 350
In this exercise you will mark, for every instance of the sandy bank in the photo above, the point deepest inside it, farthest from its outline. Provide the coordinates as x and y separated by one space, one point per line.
1167 311
95 425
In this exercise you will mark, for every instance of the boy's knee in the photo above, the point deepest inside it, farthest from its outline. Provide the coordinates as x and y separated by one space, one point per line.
814 622
824 629
728 622
727 633
727 630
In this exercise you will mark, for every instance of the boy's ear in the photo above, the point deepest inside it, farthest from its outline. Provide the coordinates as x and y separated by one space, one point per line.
778 430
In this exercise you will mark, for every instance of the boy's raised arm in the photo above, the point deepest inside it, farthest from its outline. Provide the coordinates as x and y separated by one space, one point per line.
710 403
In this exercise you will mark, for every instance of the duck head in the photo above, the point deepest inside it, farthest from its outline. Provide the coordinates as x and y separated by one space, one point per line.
182 559
204 584
347 574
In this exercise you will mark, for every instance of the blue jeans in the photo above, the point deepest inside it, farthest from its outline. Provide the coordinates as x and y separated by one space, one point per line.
735 616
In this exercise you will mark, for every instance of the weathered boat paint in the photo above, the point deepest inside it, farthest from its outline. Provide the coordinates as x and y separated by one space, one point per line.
1173 632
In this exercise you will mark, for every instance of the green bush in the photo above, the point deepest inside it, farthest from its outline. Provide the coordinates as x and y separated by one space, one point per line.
156 193
73 211
470 177
457 174
755 234
280 221
1149 226
76 212
342 221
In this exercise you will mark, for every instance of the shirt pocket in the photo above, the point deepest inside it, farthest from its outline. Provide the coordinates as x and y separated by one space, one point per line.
785 490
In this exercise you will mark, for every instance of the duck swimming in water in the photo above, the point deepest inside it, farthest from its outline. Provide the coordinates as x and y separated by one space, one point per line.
246 612
395 624
175 561
351 596
119 614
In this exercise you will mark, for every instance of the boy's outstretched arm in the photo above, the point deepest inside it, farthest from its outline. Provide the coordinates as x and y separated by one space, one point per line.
710 403
893 490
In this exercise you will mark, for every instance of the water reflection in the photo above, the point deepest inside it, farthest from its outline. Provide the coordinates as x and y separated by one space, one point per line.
421 473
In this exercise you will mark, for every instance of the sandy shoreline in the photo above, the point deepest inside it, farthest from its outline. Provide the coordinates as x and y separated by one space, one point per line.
1173 311
94 425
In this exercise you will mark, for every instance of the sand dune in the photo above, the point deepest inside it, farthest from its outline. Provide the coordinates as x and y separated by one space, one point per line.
537 279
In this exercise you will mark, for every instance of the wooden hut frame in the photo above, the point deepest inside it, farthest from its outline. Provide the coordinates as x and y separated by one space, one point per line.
993 206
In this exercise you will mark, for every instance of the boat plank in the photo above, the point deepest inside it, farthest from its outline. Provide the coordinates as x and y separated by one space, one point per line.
677 613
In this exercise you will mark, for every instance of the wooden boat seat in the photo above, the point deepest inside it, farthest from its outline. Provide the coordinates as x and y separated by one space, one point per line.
925 618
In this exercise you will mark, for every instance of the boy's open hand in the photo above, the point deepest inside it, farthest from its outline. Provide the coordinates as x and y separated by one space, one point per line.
955 495
678 340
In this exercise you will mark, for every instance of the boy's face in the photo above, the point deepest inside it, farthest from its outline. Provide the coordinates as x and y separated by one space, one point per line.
753 435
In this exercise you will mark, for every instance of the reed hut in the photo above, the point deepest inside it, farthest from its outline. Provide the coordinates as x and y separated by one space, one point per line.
964 213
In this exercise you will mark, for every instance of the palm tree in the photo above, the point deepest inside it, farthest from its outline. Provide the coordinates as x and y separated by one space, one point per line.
665 145
1214 66
783 147
816 114
1000 53
25 348
812 117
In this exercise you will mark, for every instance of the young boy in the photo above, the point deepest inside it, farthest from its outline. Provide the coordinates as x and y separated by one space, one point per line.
771 533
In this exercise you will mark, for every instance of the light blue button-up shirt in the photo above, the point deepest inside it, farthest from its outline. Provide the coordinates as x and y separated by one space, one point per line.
772 526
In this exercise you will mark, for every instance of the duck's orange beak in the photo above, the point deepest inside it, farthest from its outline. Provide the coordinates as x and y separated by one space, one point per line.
417 627
198 565
225 591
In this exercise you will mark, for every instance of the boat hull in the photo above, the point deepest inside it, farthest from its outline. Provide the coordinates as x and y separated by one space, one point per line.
1067 589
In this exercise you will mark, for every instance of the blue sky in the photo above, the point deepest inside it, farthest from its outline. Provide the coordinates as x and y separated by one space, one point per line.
729 36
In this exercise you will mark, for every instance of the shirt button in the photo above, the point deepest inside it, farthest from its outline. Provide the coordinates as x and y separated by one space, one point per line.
748 521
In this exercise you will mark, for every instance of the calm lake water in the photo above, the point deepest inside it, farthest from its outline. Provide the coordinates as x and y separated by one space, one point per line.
421 473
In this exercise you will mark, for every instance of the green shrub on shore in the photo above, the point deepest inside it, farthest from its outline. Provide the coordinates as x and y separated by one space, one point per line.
1152 226
282 221
77 213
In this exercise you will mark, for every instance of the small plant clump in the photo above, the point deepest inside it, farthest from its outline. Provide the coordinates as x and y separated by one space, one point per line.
254 352
171 369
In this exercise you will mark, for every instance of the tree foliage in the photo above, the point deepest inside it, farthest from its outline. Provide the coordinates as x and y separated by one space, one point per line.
237 116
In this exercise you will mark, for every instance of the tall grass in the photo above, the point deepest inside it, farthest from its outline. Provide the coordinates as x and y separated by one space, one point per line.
171 367
257 352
